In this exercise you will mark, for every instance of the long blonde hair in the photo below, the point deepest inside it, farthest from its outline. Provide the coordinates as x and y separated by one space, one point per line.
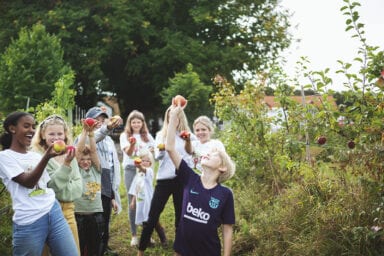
38 143
181 126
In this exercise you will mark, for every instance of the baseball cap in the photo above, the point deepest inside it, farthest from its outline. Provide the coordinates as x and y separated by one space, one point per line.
95 112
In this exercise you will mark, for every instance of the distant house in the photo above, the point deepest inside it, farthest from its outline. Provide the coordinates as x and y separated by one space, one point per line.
276 112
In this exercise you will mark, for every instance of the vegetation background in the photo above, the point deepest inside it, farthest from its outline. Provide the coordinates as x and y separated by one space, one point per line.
293 195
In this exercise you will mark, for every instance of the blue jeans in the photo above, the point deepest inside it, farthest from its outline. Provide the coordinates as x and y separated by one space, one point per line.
52 229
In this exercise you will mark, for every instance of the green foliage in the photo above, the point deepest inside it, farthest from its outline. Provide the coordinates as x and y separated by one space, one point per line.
132 48
190 86
294 196
29 68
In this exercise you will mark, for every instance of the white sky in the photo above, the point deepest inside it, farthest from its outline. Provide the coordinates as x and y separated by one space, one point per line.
321 28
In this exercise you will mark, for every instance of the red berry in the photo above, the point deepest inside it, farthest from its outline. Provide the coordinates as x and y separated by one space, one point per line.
321 140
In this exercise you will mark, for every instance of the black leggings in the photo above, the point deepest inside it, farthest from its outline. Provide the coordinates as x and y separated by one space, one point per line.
163 190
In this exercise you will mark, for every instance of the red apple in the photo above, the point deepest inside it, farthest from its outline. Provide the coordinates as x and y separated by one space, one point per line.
70 148
137 161
321 140
132 140
351 144
90 121
184 134
59 146
179 100
161 147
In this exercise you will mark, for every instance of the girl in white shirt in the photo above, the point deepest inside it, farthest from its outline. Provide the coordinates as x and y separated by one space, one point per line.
37 219
135 137
203 129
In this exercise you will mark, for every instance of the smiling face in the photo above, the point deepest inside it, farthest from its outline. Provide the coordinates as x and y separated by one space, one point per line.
52 133
22 132
85 162
202 132
136 125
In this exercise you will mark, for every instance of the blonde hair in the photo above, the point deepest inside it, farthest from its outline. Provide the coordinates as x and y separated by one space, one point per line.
146 153
227 164
181 126
135 114
38 143
206 121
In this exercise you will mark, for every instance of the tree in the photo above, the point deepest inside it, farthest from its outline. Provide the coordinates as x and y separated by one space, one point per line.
132 48
29 68
189 85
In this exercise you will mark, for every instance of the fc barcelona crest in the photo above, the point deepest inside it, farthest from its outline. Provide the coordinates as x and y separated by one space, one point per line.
214 203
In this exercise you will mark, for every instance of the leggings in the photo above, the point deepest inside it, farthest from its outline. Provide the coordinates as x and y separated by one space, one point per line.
163 190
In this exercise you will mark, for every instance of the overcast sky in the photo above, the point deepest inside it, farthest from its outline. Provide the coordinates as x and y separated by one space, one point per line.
321 28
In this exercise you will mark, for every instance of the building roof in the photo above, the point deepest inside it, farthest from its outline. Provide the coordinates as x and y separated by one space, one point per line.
309 99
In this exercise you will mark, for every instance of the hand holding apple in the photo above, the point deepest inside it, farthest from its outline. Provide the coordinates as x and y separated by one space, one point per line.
179 100
185 135
59 146
137 161
161 146
132 140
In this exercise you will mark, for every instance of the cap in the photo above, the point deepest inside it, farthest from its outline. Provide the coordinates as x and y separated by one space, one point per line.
95 112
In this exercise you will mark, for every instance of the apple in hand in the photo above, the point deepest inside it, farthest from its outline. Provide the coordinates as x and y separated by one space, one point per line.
132 140
90 121
184 134
59 146
179 100
161 146
70 148
321 140
137 160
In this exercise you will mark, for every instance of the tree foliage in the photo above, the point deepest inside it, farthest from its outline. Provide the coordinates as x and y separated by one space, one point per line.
132 48
29 68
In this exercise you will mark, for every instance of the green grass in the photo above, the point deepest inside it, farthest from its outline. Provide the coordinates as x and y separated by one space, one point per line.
120 235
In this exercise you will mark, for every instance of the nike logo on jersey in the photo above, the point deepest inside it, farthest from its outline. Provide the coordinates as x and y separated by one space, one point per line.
193 192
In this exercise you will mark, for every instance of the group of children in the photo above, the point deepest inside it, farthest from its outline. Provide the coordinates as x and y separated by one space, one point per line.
85 181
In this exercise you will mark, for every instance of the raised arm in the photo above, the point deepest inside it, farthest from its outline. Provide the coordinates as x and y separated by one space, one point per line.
171 133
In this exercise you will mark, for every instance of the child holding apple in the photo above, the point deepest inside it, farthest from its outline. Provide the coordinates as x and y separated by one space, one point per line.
207 204
63 169
38 218
167 183
89 208
133 139
141 191
110 165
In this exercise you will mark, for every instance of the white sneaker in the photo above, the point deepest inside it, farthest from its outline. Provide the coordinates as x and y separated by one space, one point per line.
134 241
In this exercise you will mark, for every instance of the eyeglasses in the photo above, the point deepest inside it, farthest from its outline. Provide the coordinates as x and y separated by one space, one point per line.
52 118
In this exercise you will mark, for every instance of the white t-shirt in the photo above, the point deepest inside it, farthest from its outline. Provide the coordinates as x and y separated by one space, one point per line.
202 149
142 188
140 144
166 168
29 204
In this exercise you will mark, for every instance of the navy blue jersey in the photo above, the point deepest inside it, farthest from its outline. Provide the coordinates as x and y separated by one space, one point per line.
203 211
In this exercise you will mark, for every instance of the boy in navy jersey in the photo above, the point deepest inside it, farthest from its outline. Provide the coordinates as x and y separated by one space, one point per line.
207 204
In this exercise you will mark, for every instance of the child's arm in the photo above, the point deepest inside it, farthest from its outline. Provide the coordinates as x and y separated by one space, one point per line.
92 147
171 133
80 145
227 239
